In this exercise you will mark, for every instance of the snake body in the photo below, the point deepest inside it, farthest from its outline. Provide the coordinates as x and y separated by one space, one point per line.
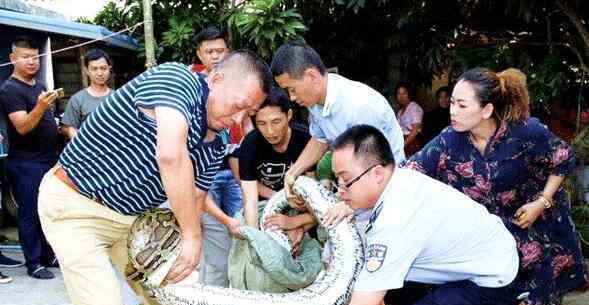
154 244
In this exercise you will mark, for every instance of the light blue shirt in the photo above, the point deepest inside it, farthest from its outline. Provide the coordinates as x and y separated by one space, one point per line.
350 103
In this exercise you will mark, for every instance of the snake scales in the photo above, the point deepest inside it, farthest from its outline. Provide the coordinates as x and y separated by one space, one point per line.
154 244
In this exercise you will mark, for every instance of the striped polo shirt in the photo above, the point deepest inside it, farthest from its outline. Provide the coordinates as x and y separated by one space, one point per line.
112 159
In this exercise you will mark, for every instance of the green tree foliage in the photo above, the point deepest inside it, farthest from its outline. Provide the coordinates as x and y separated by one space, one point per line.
179 21
261 25
548 40
175 23
391 40
541 37
265 25
85 20
117 18
179 37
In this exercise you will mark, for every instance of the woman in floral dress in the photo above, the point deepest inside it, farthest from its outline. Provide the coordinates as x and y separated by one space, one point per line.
510 163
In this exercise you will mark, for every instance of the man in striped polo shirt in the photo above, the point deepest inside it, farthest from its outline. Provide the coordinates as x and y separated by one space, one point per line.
147 143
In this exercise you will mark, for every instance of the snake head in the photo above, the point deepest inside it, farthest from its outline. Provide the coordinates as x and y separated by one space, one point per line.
310 189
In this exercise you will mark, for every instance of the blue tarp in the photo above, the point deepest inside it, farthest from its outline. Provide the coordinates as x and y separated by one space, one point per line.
63 27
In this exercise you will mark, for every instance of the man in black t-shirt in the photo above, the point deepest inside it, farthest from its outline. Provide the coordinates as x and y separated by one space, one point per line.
34 142
266 162
264 157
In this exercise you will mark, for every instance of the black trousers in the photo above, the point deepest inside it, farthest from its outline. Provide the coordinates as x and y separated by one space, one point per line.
25 177
453 293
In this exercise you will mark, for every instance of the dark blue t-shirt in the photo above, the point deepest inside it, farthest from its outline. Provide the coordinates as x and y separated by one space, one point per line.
41 143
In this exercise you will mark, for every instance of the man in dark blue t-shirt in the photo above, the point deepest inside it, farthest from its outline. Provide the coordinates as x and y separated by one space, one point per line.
33 138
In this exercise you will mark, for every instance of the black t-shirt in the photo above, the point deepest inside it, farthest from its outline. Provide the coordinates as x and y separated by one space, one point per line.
259 161
41 143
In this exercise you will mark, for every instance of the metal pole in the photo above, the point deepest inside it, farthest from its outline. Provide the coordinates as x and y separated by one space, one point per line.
149 39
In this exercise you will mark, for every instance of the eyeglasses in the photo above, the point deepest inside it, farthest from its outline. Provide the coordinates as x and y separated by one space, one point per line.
346 187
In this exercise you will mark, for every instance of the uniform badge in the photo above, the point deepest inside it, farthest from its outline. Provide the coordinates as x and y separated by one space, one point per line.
375 254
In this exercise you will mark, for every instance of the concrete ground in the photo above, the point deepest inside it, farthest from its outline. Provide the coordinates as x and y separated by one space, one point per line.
25 290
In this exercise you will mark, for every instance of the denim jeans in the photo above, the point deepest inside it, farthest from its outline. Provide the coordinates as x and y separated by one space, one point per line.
226 193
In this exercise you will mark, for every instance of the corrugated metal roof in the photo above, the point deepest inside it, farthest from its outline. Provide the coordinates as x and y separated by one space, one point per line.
63 27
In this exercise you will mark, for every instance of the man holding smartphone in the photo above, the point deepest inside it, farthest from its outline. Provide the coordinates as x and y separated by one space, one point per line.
34 142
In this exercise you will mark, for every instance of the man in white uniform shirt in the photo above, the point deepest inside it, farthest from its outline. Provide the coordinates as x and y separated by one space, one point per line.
420 230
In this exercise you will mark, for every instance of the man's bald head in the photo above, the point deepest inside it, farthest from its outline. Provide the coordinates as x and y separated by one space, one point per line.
242 64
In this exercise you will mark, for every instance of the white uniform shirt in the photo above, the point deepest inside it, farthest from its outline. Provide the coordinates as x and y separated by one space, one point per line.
350 103
425 231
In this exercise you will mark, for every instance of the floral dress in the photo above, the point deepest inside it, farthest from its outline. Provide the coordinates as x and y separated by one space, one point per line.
513 170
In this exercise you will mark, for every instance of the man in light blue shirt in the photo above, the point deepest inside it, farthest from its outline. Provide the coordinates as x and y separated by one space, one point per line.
335 104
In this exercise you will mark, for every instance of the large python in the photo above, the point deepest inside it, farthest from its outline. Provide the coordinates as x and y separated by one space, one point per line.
154 244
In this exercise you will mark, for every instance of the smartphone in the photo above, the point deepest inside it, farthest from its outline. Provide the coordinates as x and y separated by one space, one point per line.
59 92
